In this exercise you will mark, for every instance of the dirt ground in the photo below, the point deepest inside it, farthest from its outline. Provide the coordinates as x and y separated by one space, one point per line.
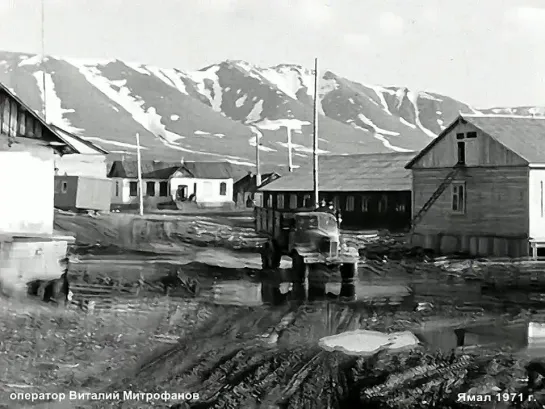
240 356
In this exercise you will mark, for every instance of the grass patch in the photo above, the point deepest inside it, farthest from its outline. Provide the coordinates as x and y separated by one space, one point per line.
45 349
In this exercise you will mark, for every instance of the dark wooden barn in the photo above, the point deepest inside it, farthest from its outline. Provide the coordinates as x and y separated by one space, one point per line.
372 191
246 187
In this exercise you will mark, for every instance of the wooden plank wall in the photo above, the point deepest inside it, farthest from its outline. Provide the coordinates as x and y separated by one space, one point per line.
15 119
496 202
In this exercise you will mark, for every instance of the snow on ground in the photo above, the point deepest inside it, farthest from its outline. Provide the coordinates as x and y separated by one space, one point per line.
240 102
258 135
274 125
201 133
388 145
174 117
300 148
219 135
34 60
255 113
157 128
169 77
54 110
140 68
351 100
413 97
404 122
209 74
365 342
367 121
287 81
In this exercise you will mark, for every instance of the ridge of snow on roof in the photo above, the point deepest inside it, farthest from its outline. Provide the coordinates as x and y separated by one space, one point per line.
379 172
523 135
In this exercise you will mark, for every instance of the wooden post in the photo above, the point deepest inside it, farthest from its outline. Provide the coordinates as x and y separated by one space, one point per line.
140 184
290 158
315 145
257 173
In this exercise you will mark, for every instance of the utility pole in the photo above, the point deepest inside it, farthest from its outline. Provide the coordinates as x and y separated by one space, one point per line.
290 158
43 63
140 184
257 173
315 145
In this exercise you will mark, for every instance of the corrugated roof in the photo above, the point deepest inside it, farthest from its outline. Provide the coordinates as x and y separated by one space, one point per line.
350 173
523 135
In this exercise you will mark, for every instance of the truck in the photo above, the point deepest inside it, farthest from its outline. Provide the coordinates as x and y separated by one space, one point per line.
311 238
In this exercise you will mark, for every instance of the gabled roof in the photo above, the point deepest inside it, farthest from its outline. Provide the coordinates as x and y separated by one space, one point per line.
350 173
85 147
60 142
523 135
150 169
250 179
212 170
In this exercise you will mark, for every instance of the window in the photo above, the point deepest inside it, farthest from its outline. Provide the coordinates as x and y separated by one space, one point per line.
350 204
471 135
306 201
364 204
280 201
163 189
461 153
116 189
64 187
195 189
460 136
150 188
336 202
400 207
133 189
383 204
293 201
458 198
223 189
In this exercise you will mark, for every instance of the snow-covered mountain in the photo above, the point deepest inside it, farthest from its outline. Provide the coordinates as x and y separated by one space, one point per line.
219 111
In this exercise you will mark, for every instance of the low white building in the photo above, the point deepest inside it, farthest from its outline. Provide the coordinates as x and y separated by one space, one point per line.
208 184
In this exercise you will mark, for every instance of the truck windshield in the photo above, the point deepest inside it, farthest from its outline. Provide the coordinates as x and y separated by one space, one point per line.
307 223
328 223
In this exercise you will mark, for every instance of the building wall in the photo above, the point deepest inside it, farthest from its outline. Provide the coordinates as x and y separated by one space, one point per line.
121 191
496 207
27 186
364 210
66 191
480 151
81 165
16 121
207 191
537 203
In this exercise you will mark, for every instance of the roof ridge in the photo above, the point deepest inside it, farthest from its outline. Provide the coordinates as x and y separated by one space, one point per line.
502 116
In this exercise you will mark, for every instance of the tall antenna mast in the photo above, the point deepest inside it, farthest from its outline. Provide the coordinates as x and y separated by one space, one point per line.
315 145
43 62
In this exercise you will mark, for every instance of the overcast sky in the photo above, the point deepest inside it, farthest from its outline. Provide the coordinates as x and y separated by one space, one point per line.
483 52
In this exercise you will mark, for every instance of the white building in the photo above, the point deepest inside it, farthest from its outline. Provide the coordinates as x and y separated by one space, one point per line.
209 184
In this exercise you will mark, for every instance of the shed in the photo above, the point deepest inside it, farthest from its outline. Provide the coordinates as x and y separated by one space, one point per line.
82 193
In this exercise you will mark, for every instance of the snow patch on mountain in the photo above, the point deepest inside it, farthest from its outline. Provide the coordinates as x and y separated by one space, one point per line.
115 143
367 121
214 94
53 104
301 148
174 117
256 113
274 125
240 102
169 77
29 61
413 97
149 119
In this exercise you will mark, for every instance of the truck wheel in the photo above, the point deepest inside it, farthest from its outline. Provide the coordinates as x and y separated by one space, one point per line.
349 274
270 258
299 268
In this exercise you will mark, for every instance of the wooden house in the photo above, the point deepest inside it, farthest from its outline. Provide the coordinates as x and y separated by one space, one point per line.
478 187
373 191
82 193
245 188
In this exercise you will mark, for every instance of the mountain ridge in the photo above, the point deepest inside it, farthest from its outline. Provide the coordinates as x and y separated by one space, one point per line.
218 112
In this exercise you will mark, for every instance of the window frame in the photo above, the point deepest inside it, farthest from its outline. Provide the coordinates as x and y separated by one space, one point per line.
131 184
223 189
64 186
280 201
148 190
350 204
163 189
455 195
